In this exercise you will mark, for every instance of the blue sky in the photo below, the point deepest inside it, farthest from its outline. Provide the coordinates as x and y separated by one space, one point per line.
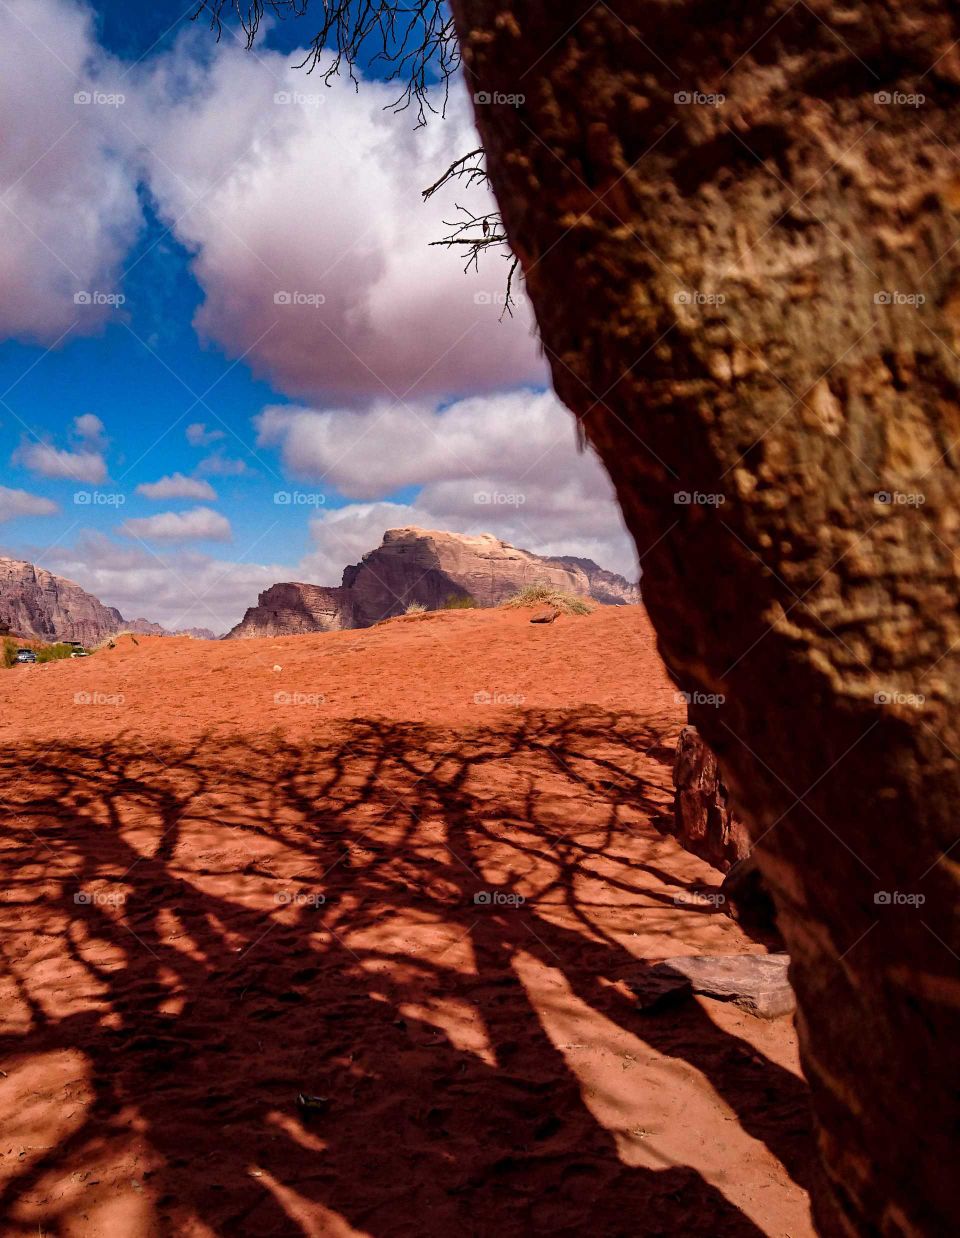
220 274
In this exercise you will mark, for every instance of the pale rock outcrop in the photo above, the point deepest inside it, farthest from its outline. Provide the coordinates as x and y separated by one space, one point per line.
427 567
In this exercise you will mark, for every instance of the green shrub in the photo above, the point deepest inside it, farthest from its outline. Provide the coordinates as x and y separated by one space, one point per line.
10 648
460 601
53 653
546 595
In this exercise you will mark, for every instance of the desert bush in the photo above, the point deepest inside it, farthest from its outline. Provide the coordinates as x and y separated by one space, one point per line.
53 653
415 608
10 648
546 595
460 601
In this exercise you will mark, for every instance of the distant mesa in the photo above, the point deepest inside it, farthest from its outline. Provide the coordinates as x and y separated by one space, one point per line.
427 567
38 605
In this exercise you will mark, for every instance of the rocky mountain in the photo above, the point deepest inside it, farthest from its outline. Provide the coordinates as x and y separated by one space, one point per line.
37 604
429 567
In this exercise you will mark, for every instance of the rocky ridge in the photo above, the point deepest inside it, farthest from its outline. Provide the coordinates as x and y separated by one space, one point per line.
427 567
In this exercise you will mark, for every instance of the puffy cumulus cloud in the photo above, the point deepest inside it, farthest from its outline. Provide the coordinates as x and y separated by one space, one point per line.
518 435
200 524
178 588
310 237
14 503
506 464
56 462
68 200
90 429
176 486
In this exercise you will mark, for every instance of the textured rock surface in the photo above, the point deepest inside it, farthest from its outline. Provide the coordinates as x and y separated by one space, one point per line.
757 983
293 608
43 606
36 603
703 821
425 566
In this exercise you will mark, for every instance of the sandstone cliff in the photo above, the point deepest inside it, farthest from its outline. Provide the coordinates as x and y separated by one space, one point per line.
36 603
428 567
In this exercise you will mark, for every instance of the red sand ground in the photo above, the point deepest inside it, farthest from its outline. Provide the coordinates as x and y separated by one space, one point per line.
233 872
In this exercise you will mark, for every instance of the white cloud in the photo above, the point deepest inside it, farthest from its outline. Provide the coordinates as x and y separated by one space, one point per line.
320 203
176 486
199 436
90 429
14 503
219 465
69 204
50 461
176 587
198 524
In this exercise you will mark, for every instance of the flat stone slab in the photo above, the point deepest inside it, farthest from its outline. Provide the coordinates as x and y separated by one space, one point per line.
546 614
757 983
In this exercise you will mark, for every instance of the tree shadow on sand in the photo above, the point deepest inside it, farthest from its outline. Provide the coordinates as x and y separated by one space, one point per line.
216 927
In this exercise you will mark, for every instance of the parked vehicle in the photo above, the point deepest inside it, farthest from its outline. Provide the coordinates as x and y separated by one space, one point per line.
26 655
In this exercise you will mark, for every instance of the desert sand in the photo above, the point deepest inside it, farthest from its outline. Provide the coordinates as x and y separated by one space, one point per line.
236 872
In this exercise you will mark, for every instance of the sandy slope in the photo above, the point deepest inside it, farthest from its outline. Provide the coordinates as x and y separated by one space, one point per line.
235 871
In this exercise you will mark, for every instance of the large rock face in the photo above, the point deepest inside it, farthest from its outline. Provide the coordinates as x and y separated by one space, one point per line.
35 603
419 565
703 821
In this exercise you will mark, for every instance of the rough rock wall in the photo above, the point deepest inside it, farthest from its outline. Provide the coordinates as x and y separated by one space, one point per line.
703 819
428 567
38 604
738 225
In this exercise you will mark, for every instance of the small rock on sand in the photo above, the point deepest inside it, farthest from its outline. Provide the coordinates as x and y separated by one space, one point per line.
546 614
756 983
